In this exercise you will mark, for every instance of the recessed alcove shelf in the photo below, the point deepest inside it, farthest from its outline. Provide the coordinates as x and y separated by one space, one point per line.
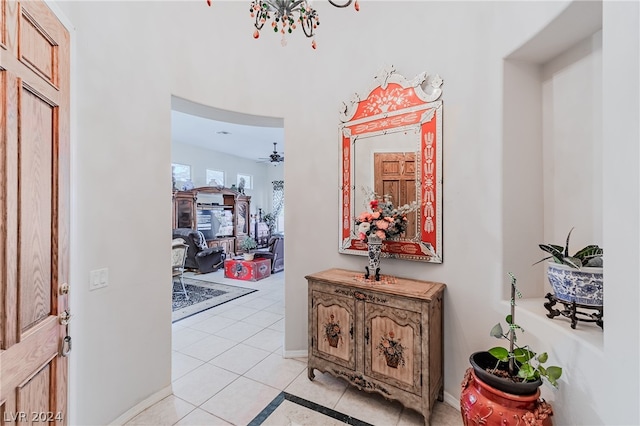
552 144
532 316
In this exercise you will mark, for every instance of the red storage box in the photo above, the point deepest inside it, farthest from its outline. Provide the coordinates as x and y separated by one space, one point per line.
247 270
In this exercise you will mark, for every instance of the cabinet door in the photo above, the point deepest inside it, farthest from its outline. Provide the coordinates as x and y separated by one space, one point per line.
392 346
333 328
185 213
242 218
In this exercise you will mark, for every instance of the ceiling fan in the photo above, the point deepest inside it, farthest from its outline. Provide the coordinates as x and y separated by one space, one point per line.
274 157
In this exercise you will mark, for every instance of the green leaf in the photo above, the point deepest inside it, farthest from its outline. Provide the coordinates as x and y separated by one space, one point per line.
543 357
566 247
574 262
509 319
526 371
500 353
554 372
522 355
496 331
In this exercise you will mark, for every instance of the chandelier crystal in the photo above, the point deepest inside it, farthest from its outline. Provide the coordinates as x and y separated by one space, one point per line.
286 15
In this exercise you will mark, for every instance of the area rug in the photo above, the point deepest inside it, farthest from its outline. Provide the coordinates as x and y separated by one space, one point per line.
203 295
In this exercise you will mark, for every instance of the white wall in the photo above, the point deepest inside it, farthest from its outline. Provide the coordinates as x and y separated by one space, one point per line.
132 56
572 145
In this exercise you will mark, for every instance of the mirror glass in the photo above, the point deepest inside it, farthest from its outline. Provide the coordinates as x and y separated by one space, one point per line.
386 163
391 144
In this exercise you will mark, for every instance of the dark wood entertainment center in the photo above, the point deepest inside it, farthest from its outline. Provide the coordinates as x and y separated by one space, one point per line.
186 205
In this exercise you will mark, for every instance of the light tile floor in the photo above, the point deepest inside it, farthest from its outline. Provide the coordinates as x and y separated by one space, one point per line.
227 366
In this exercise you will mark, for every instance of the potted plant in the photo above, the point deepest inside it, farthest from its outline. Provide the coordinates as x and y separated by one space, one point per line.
246 245
270 220
577 281
503 383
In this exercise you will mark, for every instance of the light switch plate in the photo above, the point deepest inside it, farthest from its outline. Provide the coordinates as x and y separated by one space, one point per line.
98 278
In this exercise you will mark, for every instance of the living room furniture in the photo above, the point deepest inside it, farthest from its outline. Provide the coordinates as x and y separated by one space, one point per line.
247 270
199 256
201 207
178 257
274 252
380 336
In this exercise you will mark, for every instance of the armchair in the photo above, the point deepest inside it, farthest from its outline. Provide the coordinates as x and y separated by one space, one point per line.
275 252
199 256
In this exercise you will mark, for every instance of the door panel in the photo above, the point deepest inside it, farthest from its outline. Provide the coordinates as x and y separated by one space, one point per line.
393 353
395 175
34 218
34 212
333 322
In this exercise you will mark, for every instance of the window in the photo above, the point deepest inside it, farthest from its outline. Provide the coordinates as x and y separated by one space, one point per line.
180 172
215 177
248 181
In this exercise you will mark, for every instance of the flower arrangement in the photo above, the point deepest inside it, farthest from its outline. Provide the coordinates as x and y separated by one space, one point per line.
384 221
391 349
332 331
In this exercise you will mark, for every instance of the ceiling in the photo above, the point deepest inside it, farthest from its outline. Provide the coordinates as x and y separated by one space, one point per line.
242 140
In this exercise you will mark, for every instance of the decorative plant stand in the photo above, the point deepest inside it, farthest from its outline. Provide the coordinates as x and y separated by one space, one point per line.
571 311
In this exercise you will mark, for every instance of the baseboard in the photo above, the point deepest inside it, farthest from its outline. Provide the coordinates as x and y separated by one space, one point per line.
143 405
451 400
295 354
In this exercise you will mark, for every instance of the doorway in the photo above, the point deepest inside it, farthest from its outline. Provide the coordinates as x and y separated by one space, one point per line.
227 157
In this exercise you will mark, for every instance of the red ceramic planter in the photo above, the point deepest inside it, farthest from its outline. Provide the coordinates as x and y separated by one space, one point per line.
481 404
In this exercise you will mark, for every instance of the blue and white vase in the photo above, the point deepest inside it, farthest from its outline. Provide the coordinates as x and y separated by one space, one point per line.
583 286
374 247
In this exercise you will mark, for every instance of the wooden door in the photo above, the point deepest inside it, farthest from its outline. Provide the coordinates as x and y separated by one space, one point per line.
395 175
34 213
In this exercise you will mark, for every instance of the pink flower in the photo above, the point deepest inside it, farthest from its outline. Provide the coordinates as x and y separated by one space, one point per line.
381 234
382 224
364 217
362 237
388 219
376 215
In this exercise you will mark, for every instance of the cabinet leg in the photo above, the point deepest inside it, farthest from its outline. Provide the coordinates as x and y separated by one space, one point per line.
427 418
310 374
441 394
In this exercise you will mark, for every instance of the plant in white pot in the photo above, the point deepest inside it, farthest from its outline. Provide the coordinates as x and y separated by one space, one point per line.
246 246
502 385
577 281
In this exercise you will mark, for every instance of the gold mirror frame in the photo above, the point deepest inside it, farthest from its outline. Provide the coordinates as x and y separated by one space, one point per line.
392 106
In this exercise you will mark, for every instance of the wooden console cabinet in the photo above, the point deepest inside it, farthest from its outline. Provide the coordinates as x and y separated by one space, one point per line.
380 337
185 214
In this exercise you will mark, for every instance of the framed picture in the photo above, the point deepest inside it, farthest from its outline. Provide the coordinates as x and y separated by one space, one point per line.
245 181
181 172
215 178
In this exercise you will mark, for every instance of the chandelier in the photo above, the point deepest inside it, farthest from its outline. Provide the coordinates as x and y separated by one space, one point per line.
282 14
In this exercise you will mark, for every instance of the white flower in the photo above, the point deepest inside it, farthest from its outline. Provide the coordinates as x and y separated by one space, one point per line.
364 227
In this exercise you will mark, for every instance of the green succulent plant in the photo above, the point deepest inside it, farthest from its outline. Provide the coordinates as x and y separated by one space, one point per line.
248 244
523 361
589 256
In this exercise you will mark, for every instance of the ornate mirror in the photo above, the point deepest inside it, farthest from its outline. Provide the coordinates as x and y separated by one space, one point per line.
391 143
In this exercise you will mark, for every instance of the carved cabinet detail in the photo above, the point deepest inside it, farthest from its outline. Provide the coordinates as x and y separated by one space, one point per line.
384 338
